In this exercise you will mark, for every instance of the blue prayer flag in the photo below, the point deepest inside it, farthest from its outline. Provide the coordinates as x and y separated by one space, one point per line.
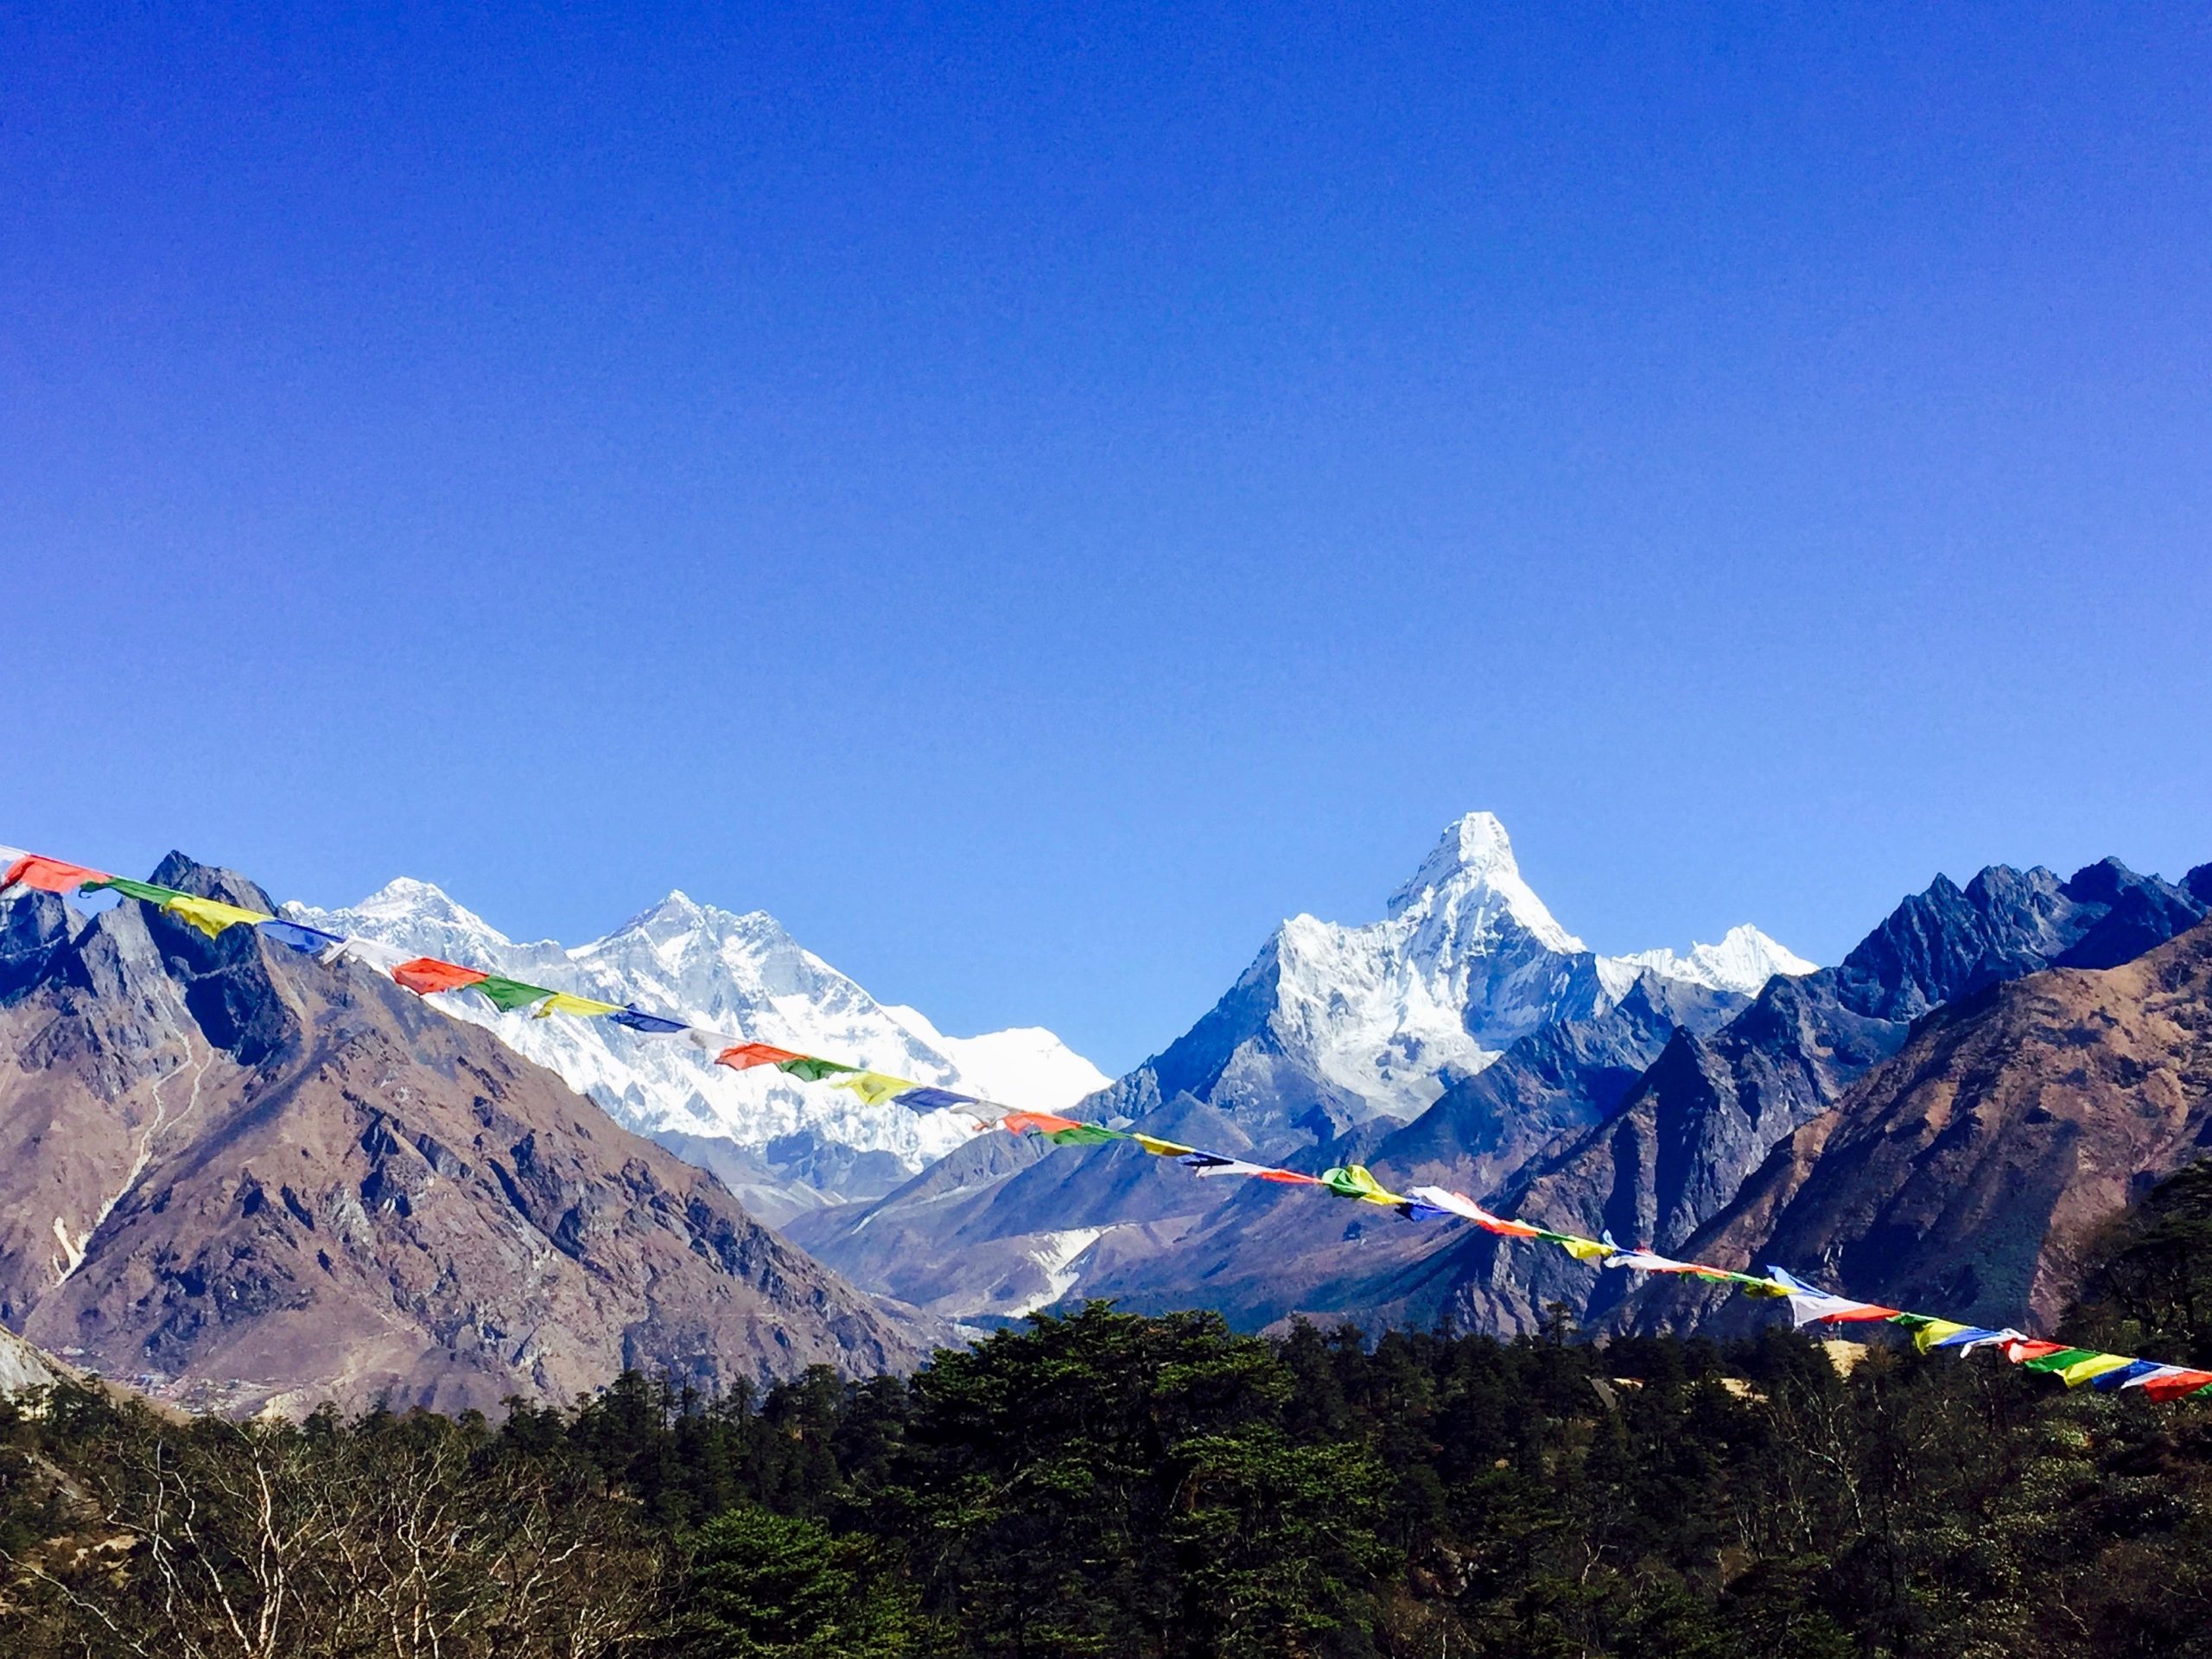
929 1100
651 1024
2122 1377
313 940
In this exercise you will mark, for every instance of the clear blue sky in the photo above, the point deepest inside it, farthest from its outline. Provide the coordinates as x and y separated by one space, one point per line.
1030 501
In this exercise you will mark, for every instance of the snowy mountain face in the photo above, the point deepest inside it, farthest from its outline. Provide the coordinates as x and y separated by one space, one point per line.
784 1145
1377 1020
1743 963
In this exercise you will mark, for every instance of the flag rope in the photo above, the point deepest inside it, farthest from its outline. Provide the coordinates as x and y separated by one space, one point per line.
429 976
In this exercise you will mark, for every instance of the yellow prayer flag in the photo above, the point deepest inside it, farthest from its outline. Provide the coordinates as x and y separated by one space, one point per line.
874 1087
210 916
1583 1249
1935 1331
1160 1148
2081 1370
562 1002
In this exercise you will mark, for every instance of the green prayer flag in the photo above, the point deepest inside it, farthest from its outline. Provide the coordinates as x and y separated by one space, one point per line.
145 891
808 1069
508 995
1084 1135
2062 1359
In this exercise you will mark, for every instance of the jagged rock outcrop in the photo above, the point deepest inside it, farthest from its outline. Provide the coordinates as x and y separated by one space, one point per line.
236 1177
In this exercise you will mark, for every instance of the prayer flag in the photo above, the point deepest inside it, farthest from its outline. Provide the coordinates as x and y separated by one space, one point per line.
562 1002
1967 1341
211 916
1938 1332
427 973
1160 1148
1356 1181
2058 1362
653 1025
2136 1371
384 958
1644 1261
1582 1249
507 994
1213 1163
2020 1350
2173 1382
811 1068
1809 1302
874 1087
2089 1371
932 1100
1458 1203
1061 1131
50 874
313 940
745 1056
144 892
1045 1123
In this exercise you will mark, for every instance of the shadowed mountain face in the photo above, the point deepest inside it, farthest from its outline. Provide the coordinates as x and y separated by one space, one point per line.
1969 1173
247 1179
1639 1117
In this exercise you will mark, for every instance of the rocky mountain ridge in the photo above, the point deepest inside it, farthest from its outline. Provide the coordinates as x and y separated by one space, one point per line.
1631 1117
241 1178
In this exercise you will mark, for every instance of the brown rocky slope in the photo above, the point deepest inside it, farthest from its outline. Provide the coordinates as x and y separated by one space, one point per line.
241 1178
1968 1175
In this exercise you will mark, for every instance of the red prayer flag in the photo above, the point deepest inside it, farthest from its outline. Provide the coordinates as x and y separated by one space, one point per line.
2173 1388
2021 1349
747 1055
428 974
1044 1122
1289 1178
49 874
1870 1311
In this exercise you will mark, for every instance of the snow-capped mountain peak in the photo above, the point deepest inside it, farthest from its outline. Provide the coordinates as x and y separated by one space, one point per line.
1466 960
740 973
1743 962
1470 878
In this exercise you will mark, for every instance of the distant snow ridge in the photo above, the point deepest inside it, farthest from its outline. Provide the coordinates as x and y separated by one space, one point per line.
1466 960
739 973
1743 962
